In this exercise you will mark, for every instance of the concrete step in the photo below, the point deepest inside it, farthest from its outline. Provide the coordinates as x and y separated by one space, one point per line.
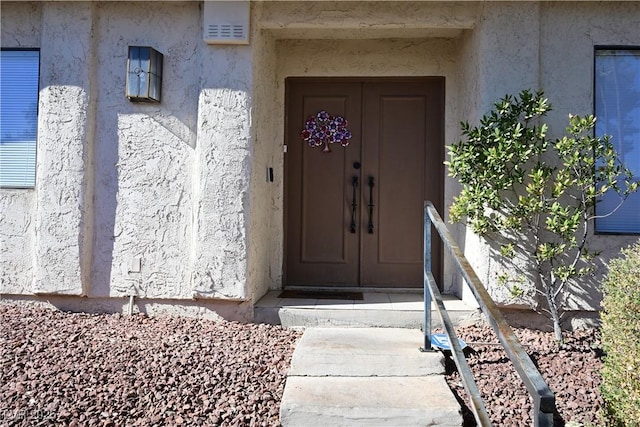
377 310
366 376
372 401
362 352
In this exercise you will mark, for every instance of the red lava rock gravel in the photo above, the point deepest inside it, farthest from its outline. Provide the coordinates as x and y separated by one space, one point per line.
111 370
572 371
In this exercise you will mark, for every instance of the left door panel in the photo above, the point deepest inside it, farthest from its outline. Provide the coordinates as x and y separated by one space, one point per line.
321 249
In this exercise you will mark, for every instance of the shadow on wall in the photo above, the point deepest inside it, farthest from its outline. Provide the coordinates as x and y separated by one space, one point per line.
515 278
105 200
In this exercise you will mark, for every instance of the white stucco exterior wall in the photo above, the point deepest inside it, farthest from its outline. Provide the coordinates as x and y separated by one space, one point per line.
170 202
20 27
223 176
16 241
62 253
170 181
145 154
264 271
499 56
569 34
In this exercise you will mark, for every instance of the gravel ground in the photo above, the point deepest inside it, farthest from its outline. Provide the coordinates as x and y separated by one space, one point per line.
572 372
111 370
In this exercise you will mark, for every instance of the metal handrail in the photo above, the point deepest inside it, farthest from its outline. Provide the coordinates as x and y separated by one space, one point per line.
544 403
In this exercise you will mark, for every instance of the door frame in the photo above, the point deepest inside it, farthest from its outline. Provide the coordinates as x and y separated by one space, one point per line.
438 162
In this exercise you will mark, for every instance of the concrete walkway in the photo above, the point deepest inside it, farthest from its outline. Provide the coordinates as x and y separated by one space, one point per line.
366 377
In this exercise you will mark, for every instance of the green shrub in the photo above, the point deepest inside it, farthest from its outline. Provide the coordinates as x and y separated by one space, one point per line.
535 209
621 340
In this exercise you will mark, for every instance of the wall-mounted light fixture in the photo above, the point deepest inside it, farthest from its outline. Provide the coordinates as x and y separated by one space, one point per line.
144 74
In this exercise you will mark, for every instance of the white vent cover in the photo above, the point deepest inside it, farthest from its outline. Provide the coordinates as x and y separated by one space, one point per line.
226 22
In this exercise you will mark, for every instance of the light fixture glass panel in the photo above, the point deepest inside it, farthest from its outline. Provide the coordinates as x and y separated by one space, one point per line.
144 74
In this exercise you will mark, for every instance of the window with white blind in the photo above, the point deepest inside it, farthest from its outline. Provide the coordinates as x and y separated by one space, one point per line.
19 76
617 109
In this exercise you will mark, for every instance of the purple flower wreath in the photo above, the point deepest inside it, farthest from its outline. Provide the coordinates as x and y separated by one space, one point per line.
324 129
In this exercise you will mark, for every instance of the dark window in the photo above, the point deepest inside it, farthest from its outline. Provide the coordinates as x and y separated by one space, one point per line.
19 75
617 108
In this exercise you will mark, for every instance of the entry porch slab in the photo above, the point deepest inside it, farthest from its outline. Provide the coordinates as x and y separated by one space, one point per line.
375 309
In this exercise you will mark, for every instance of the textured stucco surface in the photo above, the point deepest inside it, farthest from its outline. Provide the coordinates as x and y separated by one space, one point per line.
20 27
171 201
371 20
222 201
568 34
145 154
136 199
62 245
16 241
264 268
499 56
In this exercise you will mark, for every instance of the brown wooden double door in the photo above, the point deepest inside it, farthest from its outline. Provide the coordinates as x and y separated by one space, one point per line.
354 215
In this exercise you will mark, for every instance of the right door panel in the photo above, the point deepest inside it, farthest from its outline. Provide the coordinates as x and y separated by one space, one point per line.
402 153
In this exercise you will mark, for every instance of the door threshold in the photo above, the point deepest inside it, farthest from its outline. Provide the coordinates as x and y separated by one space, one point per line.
314 288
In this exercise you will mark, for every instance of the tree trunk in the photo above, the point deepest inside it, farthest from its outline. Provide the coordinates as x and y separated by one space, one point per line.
555 317
557 330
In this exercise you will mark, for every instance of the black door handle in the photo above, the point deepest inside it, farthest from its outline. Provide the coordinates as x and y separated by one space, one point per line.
354 204
370 226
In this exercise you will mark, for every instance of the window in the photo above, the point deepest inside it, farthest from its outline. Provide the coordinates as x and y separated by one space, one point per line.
617 108
19 71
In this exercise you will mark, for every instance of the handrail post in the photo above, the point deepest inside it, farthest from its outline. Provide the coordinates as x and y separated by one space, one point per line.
426 272
543 414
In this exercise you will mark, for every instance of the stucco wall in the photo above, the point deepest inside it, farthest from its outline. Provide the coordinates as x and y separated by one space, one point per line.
265 238
16 241
171 201
499 56
548 46
20 27
569 33
62 255
145 153
136 199
223 175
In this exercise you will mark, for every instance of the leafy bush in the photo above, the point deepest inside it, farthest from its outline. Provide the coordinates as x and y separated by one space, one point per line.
621 340
534 196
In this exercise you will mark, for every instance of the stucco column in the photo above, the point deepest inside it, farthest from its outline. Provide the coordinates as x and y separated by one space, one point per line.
223 172
62 246
508 50
500 56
